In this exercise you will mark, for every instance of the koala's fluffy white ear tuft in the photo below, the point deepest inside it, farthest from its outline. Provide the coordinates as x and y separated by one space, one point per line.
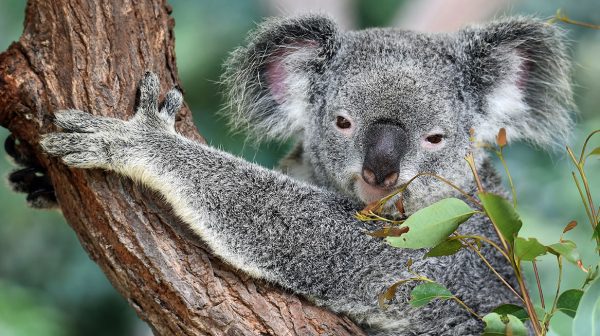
268 82
520 69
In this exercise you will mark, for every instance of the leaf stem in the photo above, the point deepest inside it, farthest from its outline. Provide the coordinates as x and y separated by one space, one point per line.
460 302
471 161
588 193
487 263
539 285
586 206
487 240
371 216
510 180
589 203
452 185
417 277
563 18
535 322
585 143
555 301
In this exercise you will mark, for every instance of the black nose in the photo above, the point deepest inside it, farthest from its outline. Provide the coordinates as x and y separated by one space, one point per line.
385 145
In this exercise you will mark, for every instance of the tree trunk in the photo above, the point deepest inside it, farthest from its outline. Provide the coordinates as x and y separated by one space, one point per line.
89 55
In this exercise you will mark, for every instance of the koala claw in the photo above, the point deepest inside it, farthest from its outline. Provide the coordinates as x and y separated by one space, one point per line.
171 105
36 184
42 199
148 92
31 180
148 101
20 155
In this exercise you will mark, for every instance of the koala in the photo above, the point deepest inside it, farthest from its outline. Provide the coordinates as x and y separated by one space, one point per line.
31 178
369 110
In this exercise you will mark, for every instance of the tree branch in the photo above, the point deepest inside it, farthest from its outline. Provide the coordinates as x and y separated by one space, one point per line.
89 55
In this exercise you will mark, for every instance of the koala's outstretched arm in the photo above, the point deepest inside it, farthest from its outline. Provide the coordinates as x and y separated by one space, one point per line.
264 223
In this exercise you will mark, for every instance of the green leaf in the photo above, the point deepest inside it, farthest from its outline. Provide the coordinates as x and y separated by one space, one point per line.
568 301
503 215
423 294
596 151
493 325
528 249
587 318
515 327
496 325
566 249
431 225
591 276
512 309
445 248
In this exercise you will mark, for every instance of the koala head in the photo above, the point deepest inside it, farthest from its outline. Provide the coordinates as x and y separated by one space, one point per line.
375 107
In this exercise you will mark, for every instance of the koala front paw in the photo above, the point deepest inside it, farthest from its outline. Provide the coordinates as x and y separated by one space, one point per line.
100 142
32 179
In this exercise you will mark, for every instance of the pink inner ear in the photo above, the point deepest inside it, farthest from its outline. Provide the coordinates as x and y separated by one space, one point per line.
275 71
276 74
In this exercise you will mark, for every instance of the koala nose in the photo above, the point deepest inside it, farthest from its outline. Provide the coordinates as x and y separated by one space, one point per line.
385 145
372 179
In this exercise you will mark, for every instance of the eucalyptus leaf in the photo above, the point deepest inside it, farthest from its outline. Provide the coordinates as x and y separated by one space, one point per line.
567 249
423 294
568 301
503 215
596 151
445 248
390 293
512 309
497 325
591 276
431 225
389 231
572 224
528 249
587 318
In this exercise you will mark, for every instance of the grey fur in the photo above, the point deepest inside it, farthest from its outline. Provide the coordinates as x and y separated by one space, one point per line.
488 52
303 235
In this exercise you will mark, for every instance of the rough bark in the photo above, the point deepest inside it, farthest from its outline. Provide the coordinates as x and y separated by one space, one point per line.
89 55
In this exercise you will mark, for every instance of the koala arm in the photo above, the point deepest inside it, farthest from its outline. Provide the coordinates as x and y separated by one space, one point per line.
260 221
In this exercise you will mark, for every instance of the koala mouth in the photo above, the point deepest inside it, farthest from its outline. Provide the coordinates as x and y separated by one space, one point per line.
368 193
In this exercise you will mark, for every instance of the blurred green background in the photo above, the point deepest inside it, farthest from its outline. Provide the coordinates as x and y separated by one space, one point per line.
48 285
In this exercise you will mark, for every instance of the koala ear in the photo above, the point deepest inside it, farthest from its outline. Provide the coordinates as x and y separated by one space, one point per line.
521 70
269 81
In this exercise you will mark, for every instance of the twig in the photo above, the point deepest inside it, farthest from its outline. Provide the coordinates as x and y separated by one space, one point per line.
563 18
487 240
455 298
539 285
493 270
510 180
555 301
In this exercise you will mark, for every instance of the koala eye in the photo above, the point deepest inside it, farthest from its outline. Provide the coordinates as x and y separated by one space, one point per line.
433 141
434 138
342 123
